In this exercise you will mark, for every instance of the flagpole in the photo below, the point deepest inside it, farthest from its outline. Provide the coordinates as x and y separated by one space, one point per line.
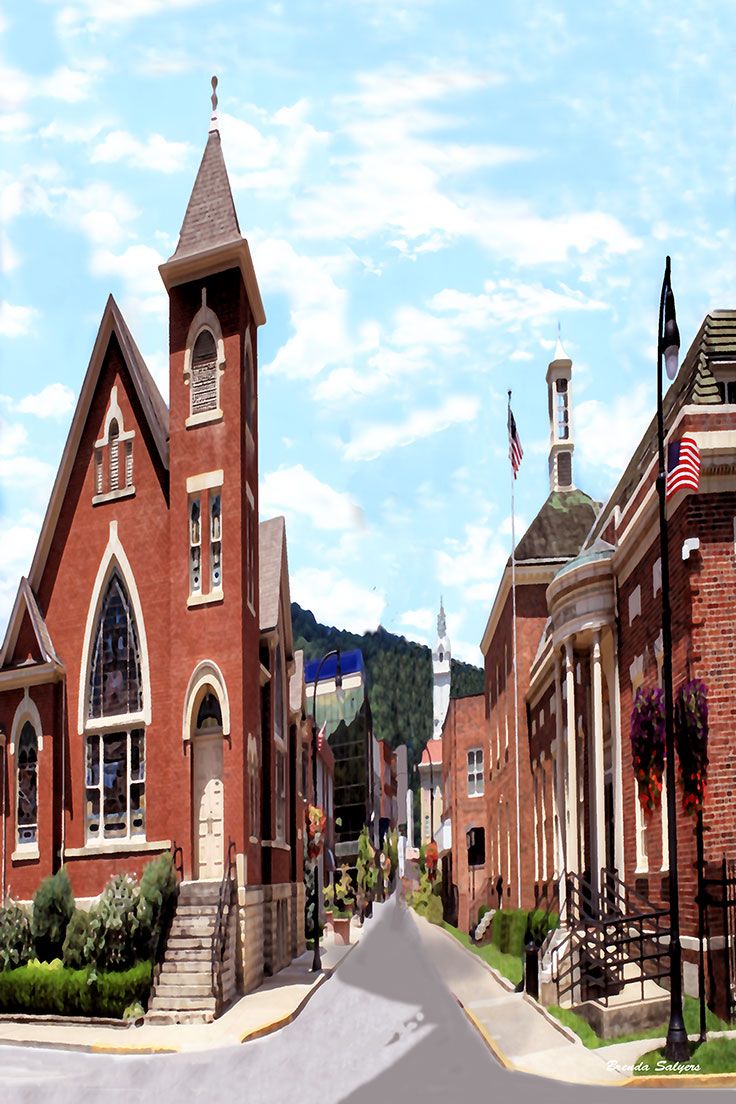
516 677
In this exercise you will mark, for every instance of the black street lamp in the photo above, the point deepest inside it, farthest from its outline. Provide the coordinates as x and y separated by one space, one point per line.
317 960
668 346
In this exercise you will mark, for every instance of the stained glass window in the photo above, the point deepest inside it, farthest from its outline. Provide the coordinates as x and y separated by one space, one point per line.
27 765
215 541
115 675
115 785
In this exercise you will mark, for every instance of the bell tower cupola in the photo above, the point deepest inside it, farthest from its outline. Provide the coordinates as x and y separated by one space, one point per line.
562 445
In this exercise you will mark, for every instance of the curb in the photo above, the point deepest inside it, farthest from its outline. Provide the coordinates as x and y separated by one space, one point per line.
490 1042
122 1049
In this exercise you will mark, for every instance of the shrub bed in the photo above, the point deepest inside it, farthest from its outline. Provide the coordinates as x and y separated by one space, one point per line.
44 989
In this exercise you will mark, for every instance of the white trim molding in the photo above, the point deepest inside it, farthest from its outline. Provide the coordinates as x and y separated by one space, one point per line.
114 412
206 673
113 558
26 711
207 481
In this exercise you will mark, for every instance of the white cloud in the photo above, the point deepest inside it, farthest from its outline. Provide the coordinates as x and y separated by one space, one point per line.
476 563
18 539
163 63
98 16
271 158
421 619
53 401
64 83
377 439
15 321
606 433
317 307
137 269
13 437
511 303
156 153
295 490
336 600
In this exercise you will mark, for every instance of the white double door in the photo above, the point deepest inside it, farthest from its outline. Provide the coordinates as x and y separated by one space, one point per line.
208 806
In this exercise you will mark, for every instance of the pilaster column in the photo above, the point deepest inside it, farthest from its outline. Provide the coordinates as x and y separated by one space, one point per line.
543 814
571 799
598 842
559 789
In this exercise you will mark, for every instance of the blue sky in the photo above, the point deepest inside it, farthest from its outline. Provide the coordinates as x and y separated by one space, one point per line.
428 189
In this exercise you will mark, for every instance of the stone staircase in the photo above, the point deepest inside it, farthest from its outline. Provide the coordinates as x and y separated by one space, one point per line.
184 990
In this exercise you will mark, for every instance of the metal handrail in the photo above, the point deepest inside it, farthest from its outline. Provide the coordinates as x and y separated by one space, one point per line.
224 901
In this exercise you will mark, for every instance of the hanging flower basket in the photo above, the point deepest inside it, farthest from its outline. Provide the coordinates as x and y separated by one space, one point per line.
691 739
431 857
648 745
316 822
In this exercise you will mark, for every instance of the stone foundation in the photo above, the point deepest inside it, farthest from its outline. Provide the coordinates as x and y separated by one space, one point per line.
251 902
278 907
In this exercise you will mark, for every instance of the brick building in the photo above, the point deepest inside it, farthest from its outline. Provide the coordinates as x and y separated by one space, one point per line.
144 675
588 627
466 861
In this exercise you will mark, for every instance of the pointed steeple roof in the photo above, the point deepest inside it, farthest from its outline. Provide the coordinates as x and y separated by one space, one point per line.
210 218
27 606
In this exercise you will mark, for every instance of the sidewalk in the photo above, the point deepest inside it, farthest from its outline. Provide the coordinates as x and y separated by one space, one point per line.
519 1035
274 1004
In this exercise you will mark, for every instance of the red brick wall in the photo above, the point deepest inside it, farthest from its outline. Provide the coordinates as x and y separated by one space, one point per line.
465 728
531 616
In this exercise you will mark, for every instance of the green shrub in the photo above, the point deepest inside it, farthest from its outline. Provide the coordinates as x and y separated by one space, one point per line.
433 911
53 906
52 989
112 936
77 944
437 887
158 890
540 923
508 929
16 937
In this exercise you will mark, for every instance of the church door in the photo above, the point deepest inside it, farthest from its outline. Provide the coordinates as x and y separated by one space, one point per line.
208 806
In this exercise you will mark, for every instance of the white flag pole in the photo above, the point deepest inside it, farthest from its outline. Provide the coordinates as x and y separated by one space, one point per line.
516 677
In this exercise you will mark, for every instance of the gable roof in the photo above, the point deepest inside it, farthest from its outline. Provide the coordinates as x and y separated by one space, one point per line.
210 217
273 579
560 527
26 604
155 413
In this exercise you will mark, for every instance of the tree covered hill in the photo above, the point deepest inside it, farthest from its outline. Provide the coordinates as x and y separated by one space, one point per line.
399 678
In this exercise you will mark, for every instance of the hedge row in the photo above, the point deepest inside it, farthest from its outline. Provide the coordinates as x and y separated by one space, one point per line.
509 927
51 989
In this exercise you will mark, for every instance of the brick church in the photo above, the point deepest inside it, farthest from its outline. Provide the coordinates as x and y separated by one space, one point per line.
145 672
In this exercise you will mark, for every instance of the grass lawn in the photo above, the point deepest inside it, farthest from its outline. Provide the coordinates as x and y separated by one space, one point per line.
509 965
589 1038
715 1056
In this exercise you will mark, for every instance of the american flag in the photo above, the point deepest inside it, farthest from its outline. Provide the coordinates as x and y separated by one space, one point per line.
683 466
515 450
321 736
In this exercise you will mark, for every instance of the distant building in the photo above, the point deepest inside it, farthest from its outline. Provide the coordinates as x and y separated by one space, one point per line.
430 766
348 723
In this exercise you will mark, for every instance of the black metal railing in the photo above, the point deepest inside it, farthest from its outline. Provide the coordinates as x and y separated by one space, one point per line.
224 904
616 938
719 889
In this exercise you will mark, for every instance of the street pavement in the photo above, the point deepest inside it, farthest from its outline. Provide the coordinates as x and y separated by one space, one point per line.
384 1029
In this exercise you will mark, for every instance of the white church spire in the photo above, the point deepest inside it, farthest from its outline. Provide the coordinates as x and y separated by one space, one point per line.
441 665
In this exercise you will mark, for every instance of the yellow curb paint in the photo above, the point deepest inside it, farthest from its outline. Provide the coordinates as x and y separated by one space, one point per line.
103 1048
491 1043
683 1081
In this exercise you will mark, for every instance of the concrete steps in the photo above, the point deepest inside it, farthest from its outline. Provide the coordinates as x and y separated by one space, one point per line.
183 991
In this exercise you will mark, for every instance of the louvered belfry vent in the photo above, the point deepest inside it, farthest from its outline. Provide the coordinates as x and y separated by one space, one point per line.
204 374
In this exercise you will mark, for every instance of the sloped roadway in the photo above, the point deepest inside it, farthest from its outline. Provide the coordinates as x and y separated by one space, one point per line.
383 1030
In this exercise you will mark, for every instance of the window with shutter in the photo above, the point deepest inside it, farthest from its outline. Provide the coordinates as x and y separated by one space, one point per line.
98 471
128 463
215 542
195 541
203 385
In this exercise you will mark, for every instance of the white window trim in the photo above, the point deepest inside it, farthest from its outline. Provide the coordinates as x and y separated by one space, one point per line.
635 604
207 481
478 769
657 576
204 319
125 441
130 837
206 673
251 523
641 831
26 713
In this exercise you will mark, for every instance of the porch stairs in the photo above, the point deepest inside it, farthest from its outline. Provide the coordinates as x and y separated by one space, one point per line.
196 979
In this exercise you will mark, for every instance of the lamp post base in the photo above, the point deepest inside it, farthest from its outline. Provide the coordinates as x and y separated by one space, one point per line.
677 1047
317 960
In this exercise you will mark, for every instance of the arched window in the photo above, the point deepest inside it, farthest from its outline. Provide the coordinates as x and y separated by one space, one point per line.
210 713
115 673
27 786
115 752
203 389
278 696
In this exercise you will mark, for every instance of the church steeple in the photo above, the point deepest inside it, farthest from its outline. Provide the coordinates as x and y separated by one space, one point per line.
562 446
441 673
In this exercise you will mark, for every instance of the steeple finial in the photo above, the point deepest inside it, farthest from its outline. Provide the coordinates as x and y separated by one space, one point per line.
441 621
213 117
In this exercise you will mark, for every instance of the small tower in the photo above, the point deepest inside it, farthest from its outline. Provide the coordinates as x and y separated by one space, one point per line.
441 656
559 389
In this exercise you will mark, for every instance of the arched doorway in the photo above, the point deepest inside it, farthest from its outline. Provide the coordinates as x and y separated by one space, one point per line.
208 794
